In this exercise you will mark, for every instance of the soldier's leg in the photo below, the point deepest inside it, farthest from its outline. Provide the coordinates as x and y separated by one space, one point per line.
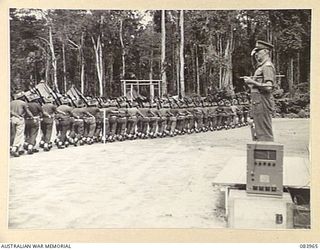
121 126
161 124
205 123
179 125
199 121
113 128
97 131
145 127
19 124
219 121
173 125
12 132
214 122
91 129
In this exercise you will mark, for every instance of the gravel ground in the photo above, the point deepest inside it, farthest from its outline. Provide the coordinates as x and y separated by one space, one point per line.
158 183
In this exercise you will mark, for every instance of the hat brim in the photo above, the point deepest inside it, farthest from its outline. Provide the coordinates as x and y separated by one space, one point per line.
255 50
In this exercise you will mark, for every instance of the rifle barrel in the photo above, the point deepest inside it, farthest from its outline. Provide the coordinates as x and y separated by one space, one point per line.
242 77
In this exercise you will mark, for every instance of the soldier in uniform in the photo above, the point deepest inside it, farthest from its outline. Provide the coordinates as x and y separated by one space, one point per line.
162 124
180 118
79 114
221 115
18 110
191 118
122 122
245 110
32 125
261 85
90 121
212 116
64 121
133 115
49 111
111 115
154 116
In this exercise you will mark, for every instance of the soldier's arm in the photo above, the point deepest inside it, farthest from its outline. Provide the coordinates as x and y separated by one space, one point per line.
151 113
60 112
139 113
88 114
12 113
46 114
27 110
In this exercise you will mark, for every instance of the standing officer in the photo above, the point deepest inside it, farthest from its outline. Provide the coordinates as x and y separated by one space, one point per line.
261 85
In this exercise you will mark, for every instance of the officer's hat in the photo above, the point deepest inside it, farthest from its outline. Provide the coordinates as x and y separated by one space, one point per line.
261 45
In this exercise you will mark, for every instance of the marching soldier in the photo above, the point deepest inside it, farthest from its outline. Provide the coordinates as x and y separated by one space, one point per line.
133 115
111 115
18 110
90 121
64 121
122 122
32 125
49 111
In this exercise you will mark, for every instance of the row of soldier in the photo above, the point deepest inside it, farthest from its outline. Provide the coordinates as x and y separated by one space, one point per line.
79 122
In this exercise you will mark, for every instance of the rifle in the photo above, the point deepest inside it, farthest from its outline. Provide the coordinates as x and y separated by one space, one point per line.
74 105
254 77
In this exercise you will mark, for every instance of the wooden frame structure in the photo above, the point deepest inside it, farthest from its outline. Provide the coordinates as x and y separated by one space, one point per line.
153 84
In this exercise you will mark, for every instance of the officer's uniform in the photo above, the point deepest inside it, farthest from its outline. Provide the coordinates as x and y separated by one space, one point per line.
262 100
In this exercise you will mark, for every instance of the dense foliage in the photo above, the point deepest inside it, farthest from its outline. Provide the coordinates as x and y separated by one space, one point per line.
95 49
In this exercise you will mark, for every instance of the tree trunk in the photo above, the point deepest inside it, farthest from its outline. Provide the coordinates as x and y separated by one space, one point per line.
163 53
220 66
64 68
178 72
290 77
151 68
54 61
122 52
298 67
182 87
98 54
111 75
197 71
47 72
82 62
174 81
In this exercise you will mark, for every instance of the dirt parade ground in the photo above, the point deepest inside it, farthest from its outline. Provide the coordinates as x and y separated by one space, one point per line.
154 183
